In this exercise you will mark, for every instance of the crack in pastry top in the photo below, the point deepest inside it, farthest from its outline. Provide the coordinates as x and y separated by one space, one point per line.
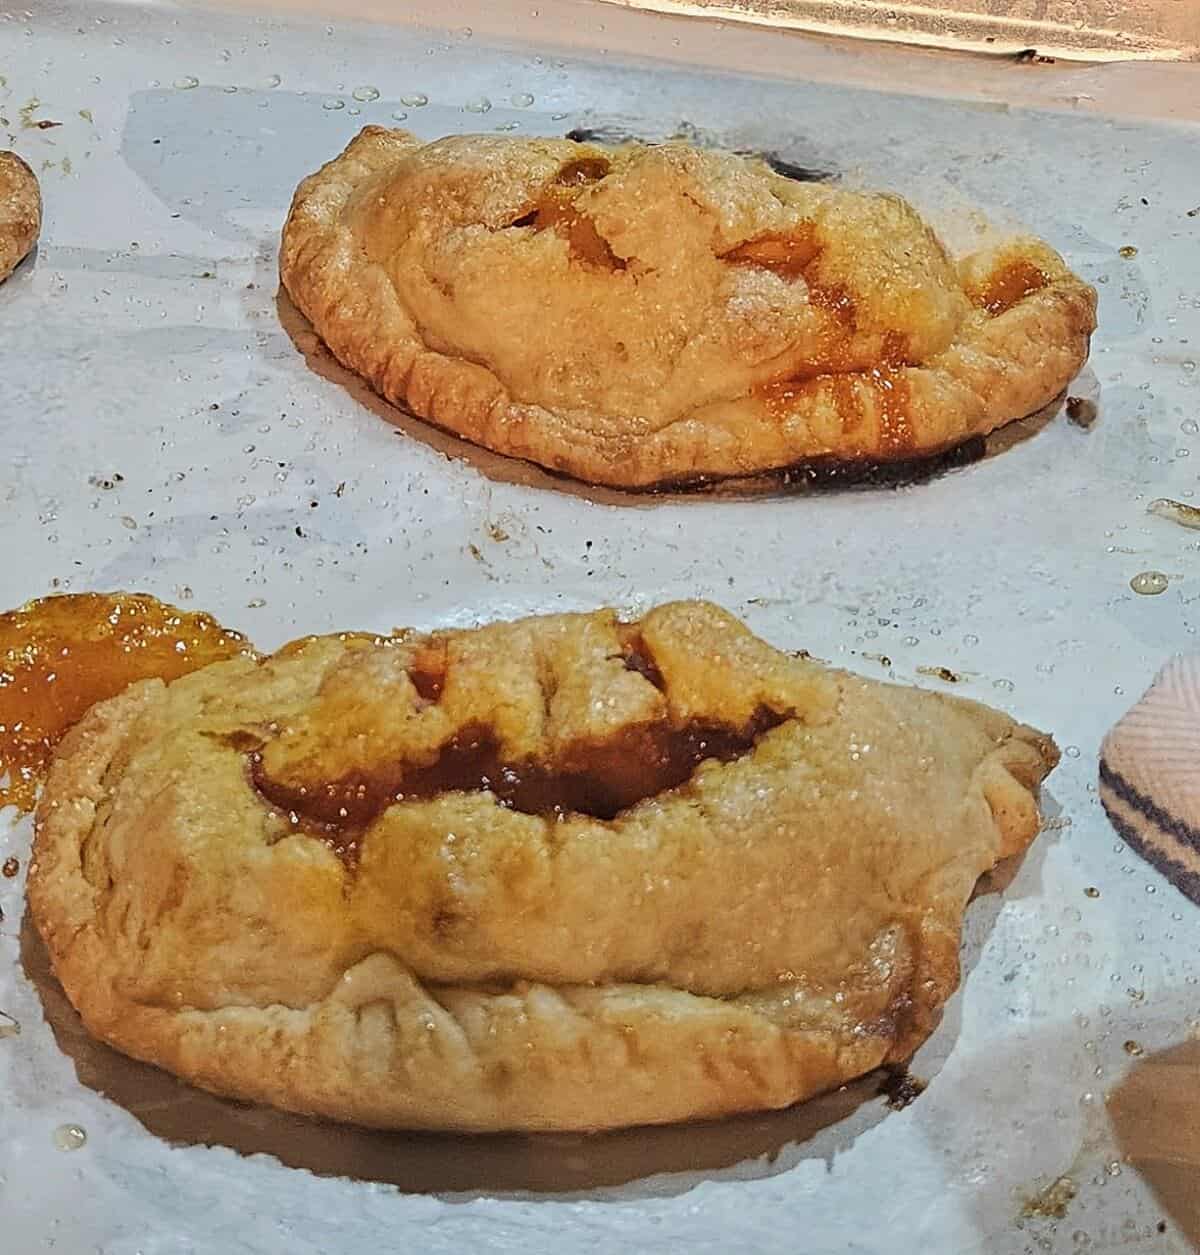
429 729
699 274
644 313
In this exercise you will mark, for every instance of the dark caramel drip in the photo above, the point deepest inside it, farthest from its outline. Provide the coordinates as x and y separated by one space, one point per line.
781 395
831 473
894 351
901 1087
427 671
894 401
61 655
848 395
428 685
835 300
1012 283
847 400
600 780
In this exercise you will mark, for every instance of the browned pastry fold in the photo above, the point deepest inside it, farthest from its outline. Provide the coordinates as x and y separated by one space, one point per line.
648 315
20 212
561 873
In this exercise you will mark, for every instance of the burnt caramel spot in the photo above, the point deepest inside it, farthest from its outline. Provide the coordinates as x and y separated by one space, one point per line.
784 166
940 673
598 779
832 474
1082 412
790 169
901 1087
241 740
61 655
1010 284
428 685
556 210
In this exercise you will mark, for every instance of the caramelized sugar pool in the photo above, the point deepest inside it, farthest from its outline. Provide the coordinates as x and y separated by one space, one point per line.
61 655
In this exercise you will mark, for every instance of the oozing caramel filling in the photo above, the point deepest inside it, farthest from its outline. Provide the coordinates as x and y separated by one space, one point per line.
887 390
61 655
790 255
428 672
850 388
1010 284
598 779
557 210
783 254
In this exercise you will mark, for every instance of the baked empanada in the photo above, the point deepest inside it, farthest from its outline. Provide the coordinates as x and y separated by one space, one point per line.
20 212
562 873
656 315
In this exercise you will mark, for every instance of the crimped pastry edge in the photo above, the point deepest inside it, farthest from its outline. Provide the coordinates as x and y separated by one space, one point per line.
572 1058
975 387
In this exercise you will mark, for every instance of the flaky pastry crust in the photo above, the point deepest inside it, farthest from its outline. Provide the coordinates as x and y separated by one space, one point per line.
655 315
561 873
20 212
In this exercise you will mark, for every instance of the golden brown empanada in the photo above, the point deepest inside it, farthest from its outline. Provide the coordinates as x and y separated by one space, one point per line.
649 315
20 212
562 873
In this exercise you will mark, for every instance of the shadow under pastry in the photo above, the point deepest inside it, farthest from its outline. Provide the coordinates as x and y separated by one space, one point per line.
818 475
452 1163
655 1160
798 160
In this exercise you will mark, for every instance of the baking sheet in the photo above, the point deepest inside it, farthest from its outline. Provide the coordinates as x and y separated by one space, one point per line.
146 339
1087 29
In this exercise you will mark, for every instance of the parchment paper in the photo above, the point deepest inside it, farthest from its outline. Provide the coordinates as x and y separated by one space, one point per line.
260 484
